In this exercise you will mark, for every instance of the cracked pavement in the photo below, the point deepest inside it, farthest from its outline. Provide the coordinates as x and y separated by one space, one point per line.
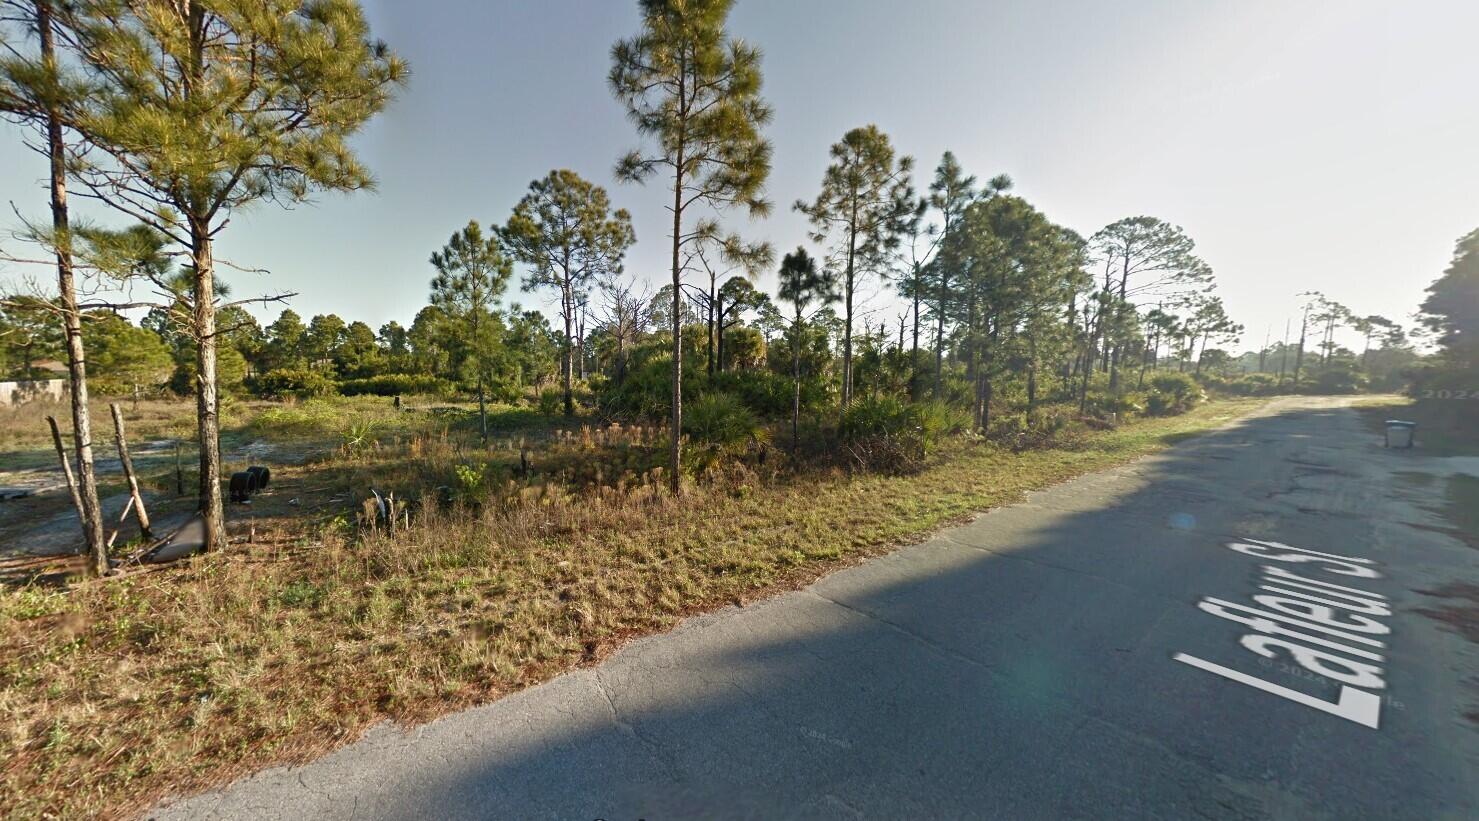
1017 666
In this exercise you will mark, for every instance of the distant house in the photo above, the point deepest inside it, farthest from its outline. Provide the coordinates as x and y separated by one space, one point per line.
50 366
32 390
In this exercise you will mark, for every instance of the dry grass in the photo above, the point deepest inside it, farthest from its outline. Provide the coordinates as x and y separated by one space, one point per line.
115 693
24 427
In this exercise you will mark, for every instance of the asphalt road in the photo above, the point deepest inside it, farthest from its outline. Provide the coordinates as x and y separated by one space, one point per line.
1029 664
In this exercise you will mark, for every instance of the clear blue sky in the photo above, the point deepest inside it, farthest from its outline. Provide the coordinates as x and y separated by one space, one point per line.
1304 145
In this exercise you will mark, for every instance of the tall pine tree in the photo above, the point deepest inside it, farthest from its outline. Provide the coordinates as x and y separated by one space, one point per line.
695 92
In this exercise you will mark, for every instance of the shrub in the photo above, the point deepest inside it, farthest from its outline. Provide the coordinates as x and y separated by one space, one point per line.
1125 404
395 384
1173 393
768 393
882 433
722 421
1250 384
647 390
1340 378
296 382
877 416
551 400
938 420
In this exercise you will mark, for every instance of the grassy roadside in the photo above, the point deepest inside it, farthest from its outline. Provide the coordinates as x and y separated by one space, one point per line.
117 693
1444 428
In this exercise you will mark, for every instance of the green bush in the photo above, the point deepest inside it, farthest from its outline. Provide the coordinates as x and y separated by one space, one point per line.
721 420
877 416
551 401
938 420
395 384
1249 384
1173 393
296 382
1125 404
768 393
647 391
884 434
1340 378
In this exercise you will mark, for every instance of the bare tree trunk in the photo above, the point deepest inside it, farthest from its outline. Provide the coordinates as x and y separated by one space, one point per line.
128 473
89 509
207 394
61 455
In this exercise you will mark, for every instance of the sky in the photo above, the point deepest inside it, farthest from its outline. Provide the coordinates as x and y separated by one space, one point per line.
1303 144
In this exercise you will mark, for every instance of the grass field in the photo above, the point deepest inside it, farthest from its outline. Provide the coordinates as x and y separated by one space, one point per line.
117 692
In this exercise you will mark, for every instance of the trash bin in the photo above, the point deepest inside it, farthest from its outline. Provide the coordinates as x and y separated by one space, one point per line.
1399 433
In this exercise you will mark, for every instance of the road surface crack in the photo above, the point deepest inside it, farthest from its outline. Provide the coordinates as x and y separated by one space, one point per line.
925 640
653 747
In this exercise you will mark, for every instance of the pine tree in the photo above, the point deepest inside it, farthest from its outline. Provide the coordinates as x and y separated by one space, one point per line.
864 208
472 272
37 91
695 91
199 109
1149 257
802 284
565 230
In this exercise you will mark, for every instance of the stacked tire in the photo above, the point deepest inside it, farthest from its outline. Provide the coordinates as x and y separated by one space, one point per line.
244 484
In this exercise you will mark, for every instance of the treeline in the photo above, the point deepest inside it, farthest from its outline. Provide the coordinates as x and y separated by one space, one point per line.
176 116
1307 359
1451 315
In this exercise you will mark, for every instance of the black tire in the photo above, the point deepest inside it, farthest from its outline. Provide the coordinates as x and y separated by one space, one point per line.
263 476
241 486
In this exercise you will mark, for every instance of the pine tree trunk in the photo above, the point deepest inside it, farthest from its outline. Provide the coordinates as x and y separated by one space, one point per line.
568 366
482 412
1031 374
719 330
207 395
1299 354
90 509
914 344
1145 357
675 451
713 294
847 326
796 383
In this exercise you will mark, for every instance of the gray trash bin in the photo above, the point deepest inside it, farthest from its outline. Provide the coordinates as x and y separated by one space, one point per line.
1400 434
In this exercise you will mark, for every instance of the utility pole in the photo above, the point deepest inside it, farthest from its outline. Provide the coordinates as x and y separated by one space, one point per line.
1263 352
